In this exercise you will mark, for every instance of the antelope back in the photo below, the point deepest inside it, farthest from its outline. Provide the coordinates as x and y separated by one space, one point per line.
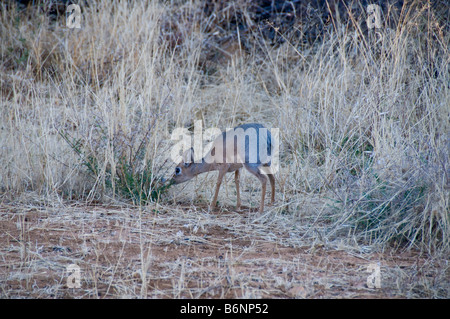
245 144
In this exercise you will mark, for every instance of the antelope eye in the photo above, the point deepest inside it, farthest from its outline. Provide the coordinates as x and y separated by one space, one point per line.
177 171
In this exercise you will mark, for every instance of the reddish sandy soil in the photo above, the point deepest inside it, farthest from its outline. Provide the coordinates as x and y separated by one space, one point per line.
183 253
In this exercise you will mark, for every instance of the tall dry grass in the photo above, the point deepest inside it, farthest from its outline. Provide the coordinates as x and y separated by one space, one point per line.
364 119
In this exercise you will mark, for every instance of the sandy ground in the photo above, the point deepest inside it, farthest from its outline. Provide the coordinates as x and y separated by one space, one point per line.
188 252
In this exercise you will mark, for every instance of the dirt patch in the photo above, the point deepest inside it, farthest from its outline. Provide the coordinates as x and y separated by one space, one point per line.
189 253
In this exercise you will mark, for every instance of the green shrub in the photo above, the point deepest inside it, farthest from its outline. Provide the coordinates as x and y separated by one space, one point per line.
127 173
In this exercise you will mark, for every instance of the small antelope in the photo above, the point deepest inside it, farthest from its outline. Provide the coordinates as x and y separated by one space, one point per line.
248 145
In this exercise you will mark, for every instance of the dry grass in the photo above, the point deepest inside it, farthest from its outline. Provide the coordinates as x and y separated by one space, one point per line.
187 252
364 140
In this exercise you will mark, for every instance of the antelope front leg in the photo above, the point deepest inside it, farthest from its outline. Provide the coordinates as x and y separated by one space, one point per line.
238 195
219 181
263 196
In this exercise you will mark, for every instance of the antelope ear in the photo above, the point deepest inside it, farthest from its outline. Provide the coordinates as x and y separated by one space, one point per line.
188 156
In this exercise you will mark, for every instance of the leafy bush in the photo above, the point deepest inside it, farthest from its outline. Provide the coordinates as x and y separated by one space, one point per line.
124 171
